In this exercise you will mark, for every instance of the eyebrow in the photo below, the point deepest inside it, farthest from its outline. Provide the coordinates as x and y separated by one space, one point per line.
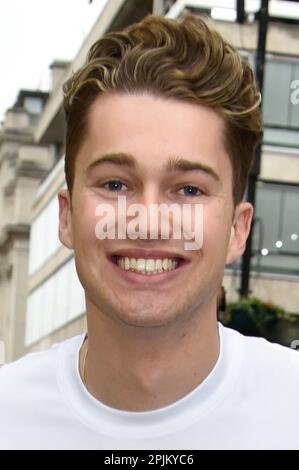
178 164
174 164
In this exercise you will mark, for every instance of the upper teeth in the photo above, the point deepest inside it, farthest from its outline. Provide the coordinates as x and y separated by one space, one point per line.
147 266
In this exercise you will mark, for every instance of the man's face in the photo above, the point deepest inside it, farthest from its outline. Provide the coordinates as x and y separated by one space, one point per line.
152 132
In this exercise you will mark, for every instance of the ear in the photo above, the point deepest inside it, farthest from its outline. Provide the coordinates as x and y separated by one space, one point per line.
239 231
65 218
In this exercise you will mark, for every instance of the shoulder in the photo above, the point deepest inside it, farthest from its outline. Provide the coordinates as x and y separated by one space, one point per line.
31 397
264 357
32 373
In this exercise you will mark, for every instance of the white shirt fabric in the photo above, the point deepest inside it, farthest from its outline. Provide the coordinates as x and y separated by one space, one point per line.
250 400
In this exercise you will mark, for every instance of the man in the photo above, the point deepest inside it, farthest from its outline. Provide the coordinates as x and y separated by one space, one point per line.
164 112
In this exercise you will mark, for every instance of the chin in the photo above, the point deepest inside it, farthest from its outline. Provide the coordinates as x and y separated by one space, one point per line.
146 320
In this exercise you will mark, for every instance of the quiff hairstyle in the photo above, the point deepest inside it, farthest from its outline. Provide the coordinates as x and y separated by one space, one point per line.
183 59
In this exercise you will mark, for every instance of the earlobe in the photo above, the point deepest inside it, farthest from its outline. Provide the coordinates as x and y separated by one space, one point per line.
239 231
65 221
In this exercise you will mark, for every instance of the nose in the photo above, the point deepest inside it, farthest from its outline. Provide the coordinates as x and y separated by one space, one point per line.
157 218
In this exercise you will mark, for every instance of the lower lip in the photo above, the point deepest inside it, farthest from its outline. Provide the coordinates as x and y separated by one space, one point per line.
151 278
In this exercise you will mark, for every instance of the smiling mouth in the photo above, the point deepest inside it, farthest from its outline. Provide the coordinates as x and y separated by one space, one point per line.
148 267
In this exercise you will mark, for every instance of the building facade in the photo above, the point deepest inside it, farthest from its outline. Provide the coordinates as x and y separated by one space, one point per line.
23 165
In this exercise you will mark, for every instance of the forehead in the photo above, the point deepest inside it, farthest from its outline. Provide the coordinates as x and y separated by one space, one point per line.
154 128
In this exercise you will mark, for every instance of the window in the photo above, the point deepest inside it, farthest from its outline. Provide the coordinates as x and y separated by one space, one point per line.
57 301
276 229
278 109
44 241
33 105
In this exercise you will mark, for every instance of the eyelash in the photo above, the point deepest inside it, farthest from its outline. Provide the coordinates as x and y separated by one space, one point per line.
186 186
193 187
113 181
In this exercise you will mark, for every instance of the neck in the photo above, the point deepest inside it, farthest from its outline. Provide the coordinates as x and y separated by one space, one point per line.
140 369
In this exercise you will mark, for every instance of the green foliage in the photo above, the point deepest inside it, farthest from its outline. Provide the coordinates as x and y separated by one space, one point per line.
252 316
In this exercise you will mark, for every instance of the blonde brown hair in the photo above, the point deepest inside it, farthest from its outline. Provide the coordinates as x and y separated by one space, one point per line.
184 59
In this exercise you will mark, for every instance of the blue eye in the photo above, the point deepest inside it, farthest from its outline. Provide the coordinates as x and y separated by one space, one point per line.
190 191
114 185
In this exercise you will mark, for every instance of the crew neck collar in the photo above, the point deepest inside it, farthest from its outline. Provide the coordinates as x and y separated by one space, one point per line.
145 424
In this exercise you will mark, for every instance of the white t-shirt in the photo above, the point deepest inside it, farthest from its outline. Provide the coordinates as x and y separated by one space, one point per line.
250 400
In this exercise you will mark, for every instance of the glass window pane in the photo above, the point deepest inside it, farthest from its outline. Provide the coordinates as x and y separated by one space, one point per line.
33 105
277 83
294 107
283 137
290 228
267 210
276 229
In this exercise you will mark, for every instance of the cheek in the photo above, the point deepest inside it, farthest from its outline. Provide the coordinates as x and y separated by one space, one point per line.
216 229
87 244
84 223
